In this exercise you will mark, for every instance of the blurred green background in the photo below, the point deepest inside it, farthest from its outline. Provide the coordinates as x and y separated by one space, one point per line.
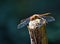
12 11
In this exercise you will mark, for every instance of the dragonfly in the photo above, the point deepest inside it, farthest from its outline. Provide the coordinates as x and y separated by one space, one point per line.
27 20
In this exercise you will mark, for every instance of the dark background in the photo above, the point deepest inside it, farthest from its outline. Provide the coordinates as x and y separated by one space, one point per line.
12 11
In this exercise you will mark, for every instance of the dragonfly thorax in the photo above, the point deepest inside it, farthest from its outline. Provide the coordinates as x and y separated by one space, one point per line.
37 23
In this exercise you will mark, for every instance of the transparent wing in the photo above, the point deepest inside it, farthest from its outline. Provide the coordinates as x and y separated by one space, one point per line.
23 24
26 21
49 18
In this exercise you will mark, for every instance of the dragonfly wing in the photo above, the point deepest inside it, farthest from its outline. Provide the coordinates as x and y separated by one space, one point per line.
26 22
49 18
23 24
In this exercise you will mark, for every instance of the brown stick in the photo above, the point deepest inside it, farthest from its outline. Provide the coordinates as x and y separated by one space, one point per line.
38 36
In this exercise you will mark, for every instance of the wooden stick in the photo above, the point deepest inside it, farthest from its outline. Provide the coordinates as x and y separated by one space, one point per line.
38 36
